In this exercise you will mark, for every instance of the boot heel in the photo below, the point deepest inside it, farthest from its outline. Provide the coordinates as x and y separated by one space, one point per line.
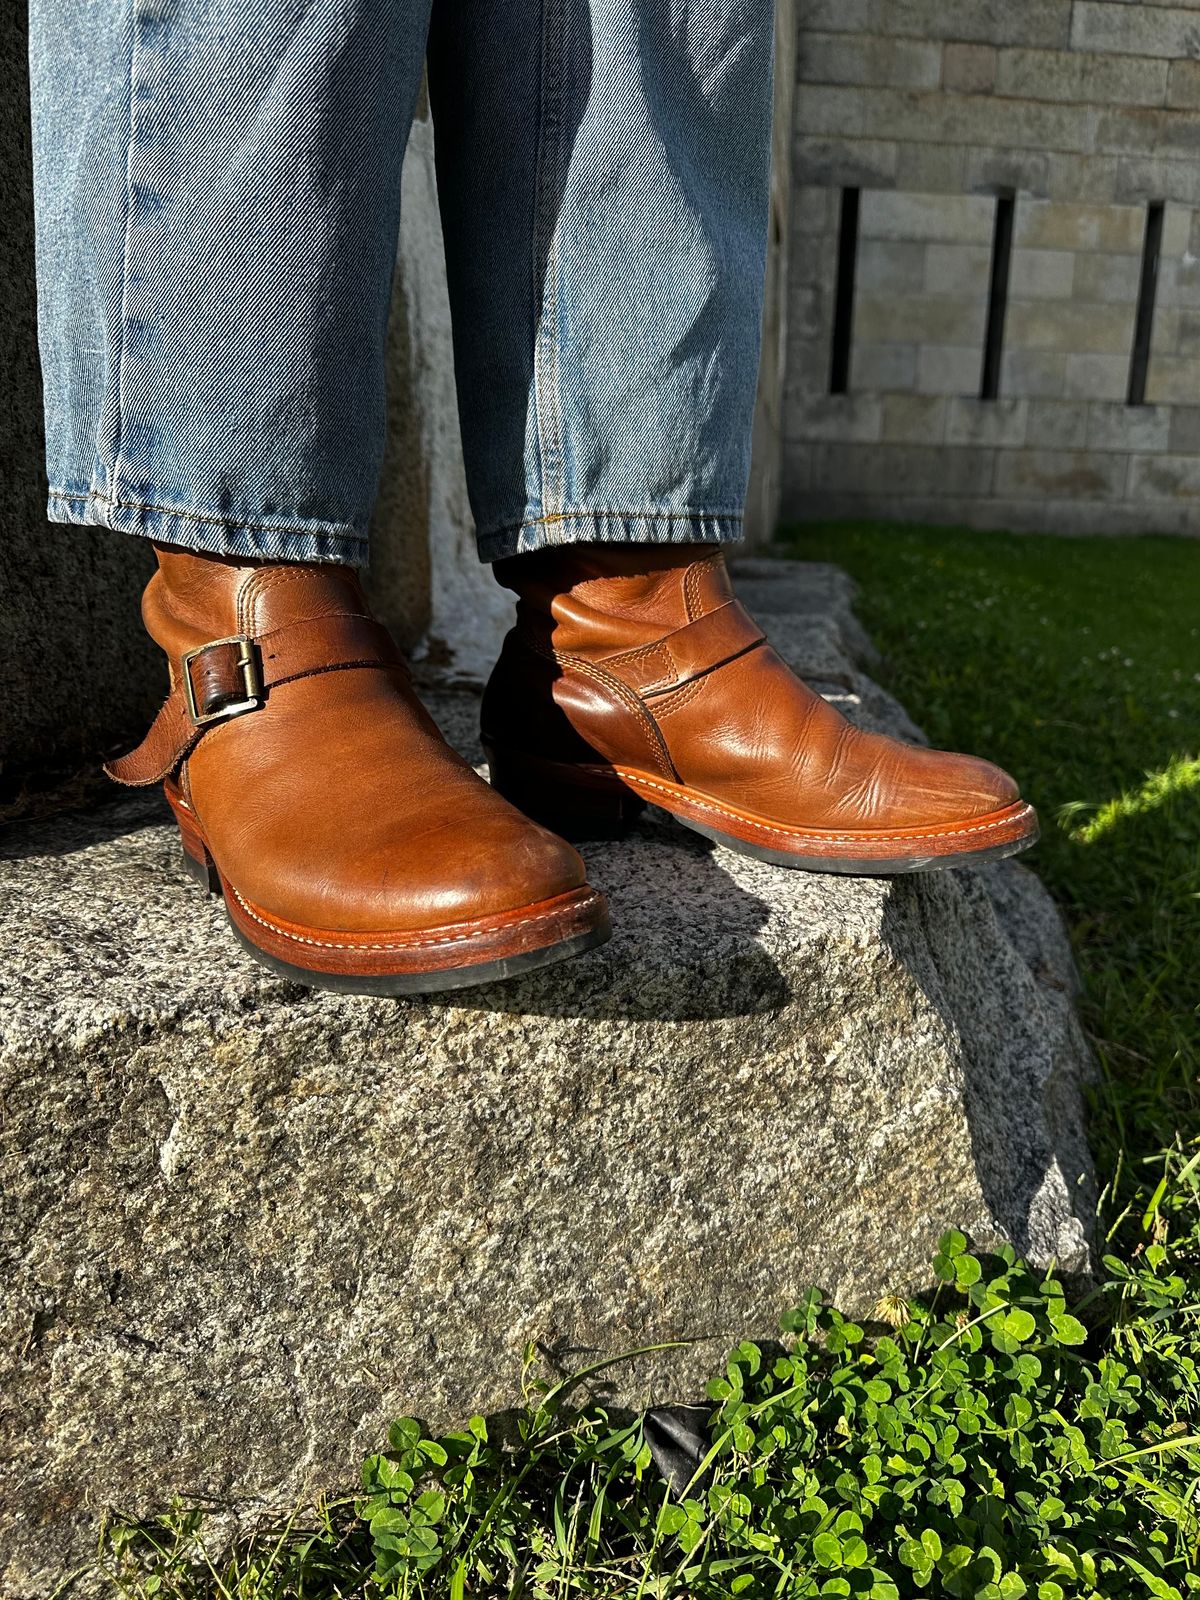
196 859
201 868
575 803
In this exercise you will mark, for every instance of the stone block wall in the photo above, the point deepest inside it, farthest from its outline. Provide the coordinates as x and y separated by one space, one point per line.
1085 114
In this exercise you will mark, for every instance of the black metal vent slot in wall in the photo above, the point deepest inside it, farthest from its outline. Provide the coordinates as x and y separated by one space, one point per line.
993 342
843 310
1139 365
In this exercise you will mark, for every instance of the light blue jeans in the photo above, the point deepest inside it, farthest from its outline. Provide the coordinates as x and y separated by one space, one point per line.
218 194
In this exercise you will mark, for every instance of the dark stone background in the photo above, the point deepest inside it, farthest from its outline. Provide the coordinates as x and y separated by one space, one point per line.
77 675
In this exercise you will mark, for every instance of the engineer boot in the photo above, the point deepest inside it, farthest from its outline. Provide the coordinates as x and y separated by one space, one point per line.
633 675
353 848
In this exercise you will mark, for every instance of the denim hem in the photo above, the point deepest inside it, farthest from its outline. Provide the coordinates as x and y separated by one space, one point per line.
218 536
611 527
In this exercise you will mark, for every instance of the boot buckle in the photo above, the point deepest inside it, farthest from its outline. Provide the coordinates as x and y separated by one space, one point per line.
245 664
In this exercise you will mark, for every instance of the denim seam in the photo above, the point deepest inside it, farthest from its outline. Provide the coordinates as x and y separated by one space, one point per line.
545 256
288 530
111 499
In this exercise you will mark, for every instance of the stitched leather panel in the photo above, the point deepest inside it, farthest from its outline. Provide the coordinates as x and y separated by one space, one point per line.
689 652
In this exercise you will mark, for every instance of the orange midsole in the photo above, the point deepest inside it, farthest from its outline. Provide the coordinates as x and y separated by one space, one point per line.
661 792
452 933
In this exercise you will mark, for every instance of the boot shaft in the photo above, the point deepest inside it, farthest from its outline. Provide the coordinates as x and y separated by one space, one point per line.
594 600
193 598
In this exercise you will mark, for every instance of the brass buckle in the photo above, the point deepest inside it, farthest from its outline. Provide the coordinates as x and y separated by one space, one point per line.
251 680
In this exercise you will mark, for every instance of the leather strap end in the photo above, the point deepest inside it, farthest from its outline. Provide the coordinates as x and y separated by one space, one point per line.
691 651
170 739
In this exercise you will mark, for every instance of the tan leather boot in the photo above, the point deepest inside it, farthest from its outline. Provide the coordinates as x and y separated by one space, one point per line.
354 849
633 675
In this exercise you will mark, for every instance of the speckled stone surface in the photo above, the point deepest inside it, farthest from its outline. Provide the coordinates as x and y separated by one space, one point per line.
246 1224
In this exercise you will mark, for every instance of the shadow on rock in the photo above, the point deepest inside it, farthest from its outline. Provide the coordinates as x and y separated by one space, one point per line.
1022 1052
685 944
64 833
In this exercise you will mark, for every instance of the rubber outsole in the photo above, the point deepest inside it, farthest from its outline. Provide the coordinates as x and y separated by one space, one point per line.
861 868
449 979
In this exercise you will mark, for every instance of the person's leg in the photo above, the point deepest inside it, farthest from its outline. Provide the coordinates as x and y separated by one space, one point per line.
603 171
217 196
605 205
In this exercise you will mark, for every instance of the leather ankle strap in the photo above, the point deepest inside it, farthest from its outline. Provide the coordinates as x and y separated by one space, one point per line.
231 677
696 648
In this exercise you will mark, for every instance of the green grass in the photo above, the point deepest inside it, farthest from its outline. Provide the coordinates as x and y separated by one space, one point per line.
1076 665
986 1440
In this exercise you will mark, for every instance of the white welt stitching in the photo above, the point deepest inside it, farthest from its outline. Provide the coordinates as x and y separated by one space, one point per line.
809 833
407 944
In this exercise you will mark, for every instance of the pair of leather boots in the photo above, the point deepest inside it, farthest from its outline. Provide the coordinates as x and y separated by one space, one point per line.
356 851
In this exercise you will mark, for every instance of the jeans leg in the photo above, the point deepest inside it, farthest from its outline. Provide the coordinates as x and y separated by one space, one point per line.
603 168
217 196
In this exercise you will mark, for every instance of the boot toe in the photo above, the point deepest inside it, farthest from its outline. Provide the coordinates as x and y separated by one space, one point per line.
968 786
502 865
404 869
